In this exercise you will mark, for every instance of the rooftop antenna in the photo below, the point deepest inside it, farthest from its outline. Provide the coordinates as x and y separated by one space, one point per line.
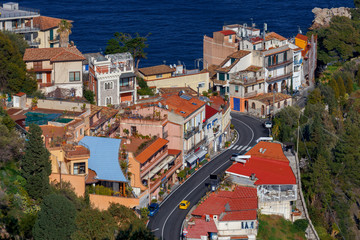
164 61
252 23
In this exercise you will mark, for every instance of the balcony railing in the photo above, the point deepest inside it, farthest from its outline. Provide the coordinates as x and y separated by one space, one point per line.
54 40
199 144
24 12
190 132
126 88
220 82
273 79
42 85
153 162
279 64
21 29
34 43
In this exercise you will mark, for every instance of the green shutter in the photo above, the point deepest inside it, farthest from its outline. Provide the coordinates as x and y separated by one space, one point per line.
269 61
51 34
222 76
285 56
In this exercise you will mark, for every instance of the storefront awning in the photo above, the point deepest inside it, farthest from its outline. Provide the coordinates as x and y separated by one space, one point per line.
192 159
201 154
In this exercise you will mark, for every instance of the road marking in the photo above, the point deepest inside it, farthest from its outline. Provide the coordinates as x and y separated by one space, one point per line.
248 149
240 147
231 147
155 230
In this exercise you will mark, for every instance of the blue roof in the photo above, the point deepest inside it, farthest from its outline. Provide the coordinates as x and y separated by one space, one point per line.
104 157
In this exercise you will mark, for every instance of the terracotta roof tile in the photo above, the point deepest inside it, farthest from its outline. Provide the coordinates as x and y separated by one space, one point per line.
154 70
151 150
239 215
91 177
20 94
227 32
302 37
53 54
174 152
264 98
274 35
200 227
181 106
46 23
270 167
252 68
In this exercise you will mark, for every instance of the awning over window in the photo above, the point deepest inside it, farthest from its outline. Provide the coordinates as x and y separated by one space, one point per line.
201 154
127 75
193 158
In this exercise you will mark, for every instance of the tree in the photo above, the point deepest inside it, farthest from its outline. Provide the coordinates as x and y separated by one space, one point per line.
349 85
125 42
131 234
340 83
94 225
18 40
125 217
333 84
64 31
13 75
56 219
36 166
89 95
10 145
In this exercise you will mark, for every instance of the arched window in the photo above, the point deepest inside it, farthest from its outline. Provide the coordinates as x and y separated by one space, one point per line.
285 103
253 106
108 100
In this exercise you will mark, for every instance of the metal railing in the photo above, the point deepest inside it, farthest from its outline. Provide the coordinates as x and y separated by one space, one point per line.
126 88
190 132
26 12
278 64
34 28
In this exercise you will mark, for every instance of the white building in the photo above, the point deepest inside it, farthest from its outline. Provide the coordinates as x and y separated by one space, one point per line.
19 20
112 79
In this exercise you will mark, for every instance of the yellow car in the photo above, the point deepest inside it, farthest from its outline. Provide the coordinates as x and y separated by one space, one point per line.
184 204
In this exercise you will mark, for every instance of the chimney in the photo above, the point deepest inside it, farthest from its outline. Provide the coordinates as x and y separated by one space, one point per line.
207 218
252 176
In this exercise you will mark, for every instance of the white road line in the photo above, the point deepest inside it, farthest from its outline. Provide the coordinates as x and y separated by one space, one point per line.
231 147
252 137
248 149
240 147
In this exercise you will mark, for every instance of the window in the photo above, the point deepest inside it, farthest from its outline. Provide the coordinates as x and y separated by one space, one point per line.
38 65
79 168
81 131
259 86
278 104
285 56
74 76
109 85
253 106
108 100
159 75
230 37
222 76
285 103
133 130
252 87
236 88
39 76
246 89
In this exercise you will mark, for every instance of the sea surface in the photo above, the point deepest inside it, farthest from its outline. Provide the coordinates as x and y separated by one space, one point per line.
177 27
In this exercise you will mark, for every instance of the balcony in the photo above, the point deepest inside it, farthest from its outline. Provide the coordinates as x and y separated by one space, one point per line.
149 165
220 82
127 88
298 62
250 94
55 39
34 28
199 144
190 132
154 185
279 64
274 79
42 85
34 43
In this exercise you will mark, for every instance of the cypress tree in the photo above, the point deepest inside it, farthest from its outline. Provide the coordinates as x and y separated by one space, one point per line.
349 85
56 219
36 166
340 83
333 84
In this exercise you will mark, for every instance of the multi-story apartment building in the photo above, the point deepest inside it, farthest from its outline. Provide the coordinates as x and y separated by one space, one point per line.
56 68
20 20
112 79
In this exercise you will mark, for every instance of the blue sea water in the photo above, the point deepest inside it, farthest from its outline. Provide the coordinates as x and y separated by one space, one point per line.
177 27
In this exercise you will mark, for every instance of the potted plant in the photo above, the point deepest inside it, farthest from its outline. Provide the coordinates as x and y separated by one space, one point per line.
34 103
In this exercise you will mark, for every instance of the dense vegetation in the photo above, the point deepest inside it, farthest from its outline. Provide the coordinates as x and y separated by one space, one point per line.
30 208
13 75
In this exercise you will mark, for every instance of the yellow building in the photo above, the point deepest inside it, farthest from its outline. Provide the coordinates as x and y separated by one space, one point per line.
155 72
301 41
48 35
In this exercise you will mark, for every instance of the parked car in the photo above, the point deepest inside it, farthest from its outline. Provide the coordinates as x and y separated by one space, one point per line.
184 204
234 155
153 209
268 124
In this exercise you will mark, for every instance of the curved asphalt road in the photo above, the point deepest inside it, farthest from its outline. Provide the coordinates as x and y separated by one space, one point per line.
166 224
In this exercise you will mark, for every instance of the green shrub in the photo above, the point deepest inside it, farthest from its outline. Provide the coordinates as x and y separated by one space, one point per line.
301 224
232 126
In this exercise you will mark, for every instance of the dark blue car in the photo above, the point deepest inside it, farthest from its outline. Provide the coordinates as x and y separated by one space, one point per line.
153 209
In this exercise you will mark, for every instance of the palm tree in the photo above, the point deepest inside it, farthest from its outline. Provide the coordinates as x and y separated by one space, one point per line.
64 32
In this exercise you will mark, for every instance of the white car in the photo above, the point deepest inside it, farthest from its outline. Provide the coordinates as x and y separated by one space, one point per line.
268 124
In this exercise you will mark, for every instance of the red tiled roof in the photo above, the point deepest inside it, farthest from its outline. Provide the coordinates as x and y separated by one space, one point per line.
91 177
239 215
242 198
274 35
150 150
227 32
209 112
53 54
46 23
200 228
302 37
270 167
154 70
181 106
256 39
20 94
174 152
